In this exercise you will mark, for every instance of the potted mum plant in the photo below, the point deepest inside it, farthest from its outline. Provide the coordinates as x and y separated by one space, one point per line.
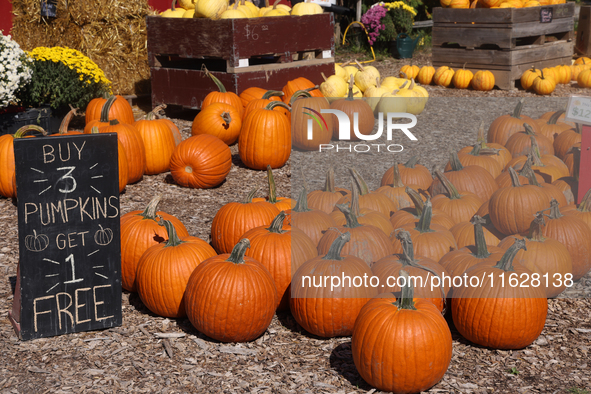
391 25
63 78
15 73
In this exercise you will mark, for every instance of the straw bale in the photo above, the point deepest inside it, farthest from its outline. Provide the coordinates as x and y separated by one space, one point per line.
110 32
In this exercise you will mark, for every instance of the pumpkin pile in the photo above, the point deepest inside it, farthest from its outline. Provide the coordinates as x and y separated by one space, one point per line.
544 81
241 9
498 3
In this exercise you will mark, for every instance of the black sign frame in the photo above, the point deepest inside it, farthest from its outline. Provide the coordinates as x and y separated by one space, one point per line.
546 14
69 274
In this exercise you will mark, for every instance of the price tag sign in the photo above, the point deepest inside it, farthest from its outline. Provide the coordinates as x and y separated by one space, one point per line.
579 110
546 15
69 274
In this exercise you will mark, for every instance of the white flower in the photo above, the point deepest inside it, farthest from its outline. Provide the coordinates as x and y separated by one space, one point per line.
15 71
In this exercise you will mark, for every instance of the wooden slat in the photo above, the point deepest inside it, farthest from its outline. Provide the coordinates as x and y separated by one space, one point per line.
280 66
584 31
500 15
187 87
234 39
530 55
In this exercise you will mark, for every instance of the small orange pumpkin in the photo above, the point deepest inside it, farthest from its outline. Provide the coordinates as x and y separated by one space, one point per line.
483 80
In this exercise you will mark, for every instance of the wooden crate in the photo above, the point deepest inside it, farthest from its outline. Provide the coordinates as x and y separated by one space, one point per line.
583 44
506 41
262 52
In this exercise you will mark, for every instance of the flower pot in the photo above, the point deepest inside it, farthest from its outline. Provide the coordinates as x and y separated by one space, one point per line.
13 119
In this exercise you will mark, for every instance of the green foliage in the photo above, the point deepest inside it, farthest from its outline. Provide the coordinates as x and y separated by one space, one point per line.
513 371
576 390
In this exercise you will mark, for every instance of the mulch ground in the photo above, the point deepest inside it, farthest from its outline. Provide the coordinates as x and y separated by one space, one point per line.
150 354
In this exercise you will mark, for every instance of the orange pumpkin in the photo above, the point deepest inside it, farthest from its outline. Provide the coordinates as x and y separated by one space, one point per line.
483 80
158 141
222 96
119 109
462 78
443 76
218 119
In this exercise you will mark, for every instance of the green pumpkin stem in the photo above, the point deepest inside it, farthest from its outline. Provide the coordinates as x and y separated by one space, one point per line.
476 149
506 262
451 189
272 186
349 216
363 189
351 84
250 196
528 172
481 137
416 199
106 109
151 115
455 163
217 82
302 203
151 208
518 108
396 178
334 252
537 156
514 177
354 199
274 104
301 93
406 300
20 133
411 162
237 255
528 129
479 240
554 118
277 224
272 93
113 122
94 130
329 184
173 238
424 225
535 228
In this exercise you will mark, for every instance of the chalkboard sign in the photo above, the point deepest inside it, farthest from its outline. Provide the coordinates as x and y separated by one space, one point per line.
546 15
49 8
69 276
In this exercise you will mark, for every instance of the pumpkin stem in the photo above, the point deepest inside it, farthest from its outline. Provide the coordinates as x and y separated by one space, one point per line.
404 75
479 240
226 117
554 118
451 189
518 108
113 122
334 252
354 199
302 203
94 130
150 211
351 83
272 93
480 137
237 255
363 188
529 173
585 205
537 156
349 216
396 179
217 82
274 104
329 184
20 133
408 253
151 115
514 177
528 129
416 199
476 149
554 210
277 224
301 93
455 163
506 262
359 65
424 225
406 300
411 162
250 196
66 121
173 238
106 108
272 187
535 228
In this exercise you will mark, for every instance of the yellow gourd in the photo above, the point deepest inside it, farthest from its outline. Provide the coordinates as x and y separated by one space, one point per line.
365 78
233 13
189 13
391 102
392 83
373 94
187 4
212 9
173 12
333 87
305 8
340 71
351 70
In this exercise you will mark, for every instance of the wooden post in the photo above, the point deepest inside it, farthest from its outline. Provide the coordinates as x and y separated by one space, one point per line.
583 42
585 164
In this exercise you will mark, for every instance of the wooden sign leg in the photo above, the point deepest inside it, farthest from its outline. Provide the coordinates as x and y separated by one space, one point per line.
15 314
585 165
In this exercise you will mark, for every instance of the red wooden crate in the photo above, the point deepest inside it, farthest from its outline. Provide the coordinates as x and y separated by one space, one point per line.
262 52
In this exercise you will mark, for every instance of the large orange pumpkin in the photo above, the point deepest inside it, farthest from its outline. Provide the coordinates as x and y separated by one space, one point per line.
302 109
413 214
219 119
401 345
121 162
265 138
222 96
201 162
139 231
164 270
460 206
476 309
505 126
158 141
325 311
297 84
326 199
231 297
117 108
